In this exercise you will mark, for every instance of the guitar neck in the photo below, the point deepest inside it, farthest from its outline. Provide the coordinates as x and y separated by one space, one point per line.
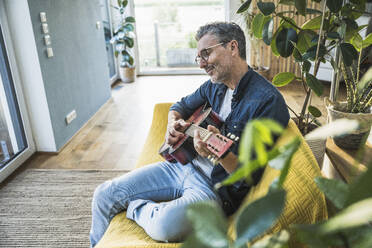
202 131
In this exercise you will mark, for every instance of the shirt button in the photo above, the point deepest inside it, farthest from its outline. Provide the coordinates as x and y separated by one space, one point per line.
234 126
225 203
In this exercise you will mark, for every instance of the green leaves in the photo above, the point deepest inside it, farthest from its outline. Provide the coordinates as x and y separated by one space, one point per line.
277 240
266 8
244 6
258 23
361 189
209 223
348 53
259 216
283 78
301 6
313 24
283 160
130 19
284 41
314 84
314 111
365 81
335 190
334 5
267 32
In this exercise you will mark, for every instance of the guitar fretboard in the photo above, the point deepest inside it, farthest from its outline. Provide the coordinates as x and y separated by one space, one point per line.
202 131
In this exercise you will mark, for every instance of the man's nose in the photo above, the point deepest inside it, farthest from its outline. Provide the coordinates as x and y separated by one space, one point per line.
202 64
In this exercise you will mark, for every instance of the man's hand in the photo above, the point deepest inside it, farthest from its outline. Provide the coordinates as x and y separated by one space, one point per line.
199 145
175 130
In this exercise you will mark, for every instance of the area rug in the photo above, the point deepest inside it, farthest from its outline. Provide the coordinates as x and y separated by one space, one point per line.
49 208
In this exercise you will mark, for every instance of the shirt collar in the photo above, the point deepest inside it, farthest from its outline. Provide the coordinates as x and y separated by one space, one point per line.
243 83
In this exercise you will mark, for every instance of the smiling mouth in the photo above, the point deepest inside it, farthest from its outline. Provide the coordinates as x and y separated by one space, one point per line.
209 69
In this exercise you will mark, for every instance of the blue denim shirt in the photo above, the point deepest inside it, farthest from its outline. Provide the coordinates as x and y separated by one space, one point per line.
253 98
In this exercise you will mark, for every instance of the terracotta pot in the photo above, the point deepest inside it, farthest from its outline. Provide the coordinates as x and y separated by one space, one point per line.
127 74
357 138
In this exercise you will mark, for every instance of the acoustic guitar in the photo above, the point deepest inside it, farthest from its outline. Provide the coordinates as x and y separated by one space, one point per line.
183 151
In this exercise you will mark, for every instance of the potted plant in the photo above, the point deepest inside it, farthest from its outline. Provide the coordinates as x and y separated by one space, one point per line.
123 40
333 24
357 107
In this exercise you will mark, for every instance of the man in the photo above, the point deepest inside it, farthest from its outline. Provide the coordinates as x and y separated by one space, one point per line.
157 196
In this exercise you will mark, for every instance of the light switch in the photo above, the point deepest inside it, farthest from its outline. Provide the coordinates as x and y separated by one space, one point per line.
47 40
98 25
50 52
45 28
43 17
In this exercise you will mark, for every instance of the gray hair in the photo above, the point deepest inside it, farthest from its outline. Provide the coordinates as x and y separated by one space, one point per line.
224 32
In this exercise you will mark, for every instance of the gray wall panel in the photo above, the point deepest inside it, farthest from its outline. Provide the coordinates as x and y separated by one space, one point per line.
77 77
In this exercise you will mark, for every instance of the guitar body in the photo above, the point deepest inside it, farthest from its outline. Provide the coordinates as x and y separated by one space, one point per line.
183 151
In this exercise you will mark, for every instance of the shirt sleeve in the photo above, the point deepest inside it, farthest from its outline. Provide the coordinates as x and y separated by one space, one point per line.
188 104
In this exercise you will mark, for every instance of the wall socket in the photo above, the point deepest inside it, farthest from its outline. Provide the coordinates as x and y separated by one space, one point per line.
70 116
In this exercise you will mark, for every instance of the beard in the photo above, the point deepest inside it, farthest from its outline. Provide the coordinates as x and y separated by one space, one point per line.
219 75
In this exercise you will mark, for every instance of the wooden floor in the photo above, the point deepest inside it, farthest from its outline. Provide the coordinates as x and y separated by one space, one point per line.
113 138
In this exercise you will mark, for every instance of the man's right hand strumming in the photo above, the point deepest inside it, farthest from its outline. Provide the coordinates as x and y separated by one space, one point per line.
176 127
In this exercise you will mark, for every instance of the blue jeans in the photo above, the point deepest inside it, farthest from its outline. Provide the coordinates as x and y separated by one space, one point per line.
155 197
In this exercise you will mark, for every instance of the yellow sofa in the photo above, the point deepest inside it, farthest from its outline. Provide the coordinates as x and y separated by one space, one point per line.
304 204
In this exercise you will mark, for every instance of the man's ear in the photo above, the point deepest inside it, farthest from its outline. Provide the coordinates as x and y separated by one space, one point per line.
234 47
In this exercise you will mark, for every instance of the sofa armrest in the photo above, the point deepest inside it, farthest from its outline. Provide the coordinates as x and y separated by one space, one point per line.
155 137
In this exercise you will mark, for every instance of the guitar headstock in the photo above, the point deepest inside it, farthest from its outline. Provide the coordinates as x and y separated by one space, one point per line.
219 145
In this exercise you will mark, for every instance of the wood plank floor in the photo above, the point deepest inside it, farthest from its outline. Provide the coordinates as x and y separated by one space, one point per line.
114 136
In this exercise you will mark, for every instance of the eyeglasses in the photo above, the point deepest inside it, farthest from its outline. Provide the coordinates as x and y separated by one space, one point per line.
204 53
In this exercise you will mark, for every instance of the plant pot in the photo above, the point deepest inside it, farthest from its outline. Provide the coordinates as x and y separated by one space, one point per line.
317 146
358 137
127 74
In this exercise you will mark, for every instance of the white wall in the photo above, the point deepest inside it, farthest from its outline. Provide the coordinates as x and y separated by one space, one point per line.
20 26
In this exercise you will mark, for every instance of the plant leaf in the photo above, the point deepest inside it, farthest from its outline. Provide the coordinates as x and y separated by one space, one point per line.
335 190
356 215
257 25
244 6
304 40
314 111
301 6
334 5
357 41
282 162
334 129
313 24
283 41
130 19
209 223
266 8
277 240
259 216
348 53
283 78
306 66
314 84
267 32
365 81
367 41
311 52
273 46
361 188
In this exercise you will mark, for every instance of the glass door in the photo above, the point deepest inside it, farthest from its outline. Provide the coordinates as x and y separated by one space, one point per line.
16 143
166 30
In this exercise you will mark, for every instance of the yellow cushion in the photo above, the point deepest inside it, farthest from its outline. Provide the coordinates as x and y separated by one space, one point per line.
304 204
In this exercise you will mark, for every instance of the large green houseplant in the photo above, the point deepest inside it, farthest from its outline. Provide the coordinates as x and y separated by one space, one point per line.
123 40
332 25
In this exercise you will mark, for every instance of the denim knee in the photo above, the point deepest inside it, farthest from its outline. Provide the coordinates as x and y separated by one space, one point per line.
170 226
101 193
